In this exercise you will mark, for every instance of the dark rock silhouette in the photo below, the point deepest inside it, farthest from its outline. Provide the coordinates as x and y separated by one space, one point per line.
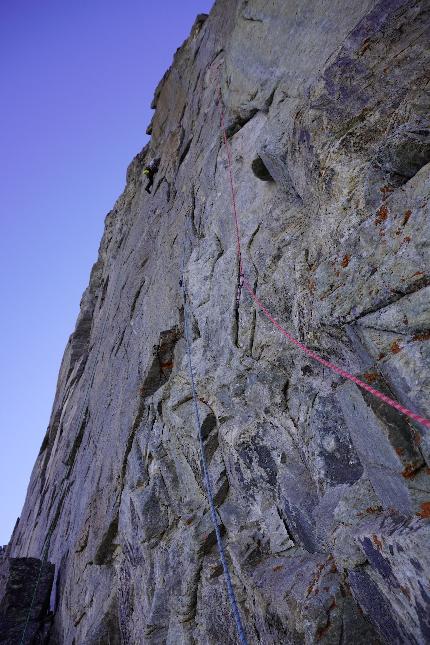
25 588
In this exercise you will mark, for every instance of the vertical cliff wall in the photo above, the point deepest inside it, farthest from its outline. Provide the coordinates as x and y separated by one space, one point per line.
323 491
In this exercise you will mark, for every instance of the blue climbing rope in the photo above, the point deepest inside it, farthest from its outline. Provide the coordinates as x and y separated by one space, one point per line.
206 477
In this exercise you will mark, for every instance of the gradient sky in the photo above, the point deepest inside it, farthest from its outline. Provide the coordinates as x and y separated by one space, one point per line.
77 78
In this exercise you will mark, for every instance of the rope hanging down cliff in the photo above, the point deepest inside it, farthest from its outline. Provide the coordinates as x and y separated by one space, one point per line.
242 281
204 466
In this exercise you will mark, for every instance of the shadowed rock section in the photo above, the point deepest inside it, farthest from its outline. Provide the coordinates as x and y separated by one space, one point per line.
323 493
25 587
162 364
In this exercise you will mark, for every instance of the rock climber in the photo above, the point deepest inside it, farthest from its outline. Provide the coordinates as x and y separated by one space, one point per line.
150 171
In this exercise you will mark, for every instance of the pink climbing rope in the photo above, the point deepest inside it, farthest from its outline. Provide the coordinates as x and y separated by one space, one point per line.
244 282
332 366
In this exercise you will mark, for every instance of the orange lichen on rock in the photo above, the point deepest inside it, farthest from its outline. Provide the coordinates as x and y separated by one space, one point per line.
371 377
381 215
323 630
406 217
374 509
365 45
315 579
166 366
425 510
409 471
416 437
377 542
424 336
371 510
386 190
345 261
395 347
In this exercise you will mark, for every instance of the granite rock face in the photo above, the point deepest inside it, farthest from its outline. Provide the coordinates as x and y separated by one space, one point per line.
323 492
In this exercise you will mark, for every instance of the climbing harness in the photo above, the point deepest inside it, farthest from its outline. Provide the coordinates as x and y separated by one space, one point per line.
386 399
206 477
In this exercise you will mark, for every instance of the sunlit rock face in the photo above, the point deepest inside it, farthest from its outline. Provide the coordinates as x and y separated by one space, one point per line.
323 491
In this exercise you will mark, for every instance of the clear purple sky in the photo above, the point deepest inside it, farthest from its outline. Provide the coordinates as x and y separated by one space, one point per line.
77 78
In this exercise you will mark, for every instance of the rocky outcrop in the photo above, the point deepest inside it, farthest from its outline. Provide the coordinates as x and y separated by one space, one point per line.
25 588
323 492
